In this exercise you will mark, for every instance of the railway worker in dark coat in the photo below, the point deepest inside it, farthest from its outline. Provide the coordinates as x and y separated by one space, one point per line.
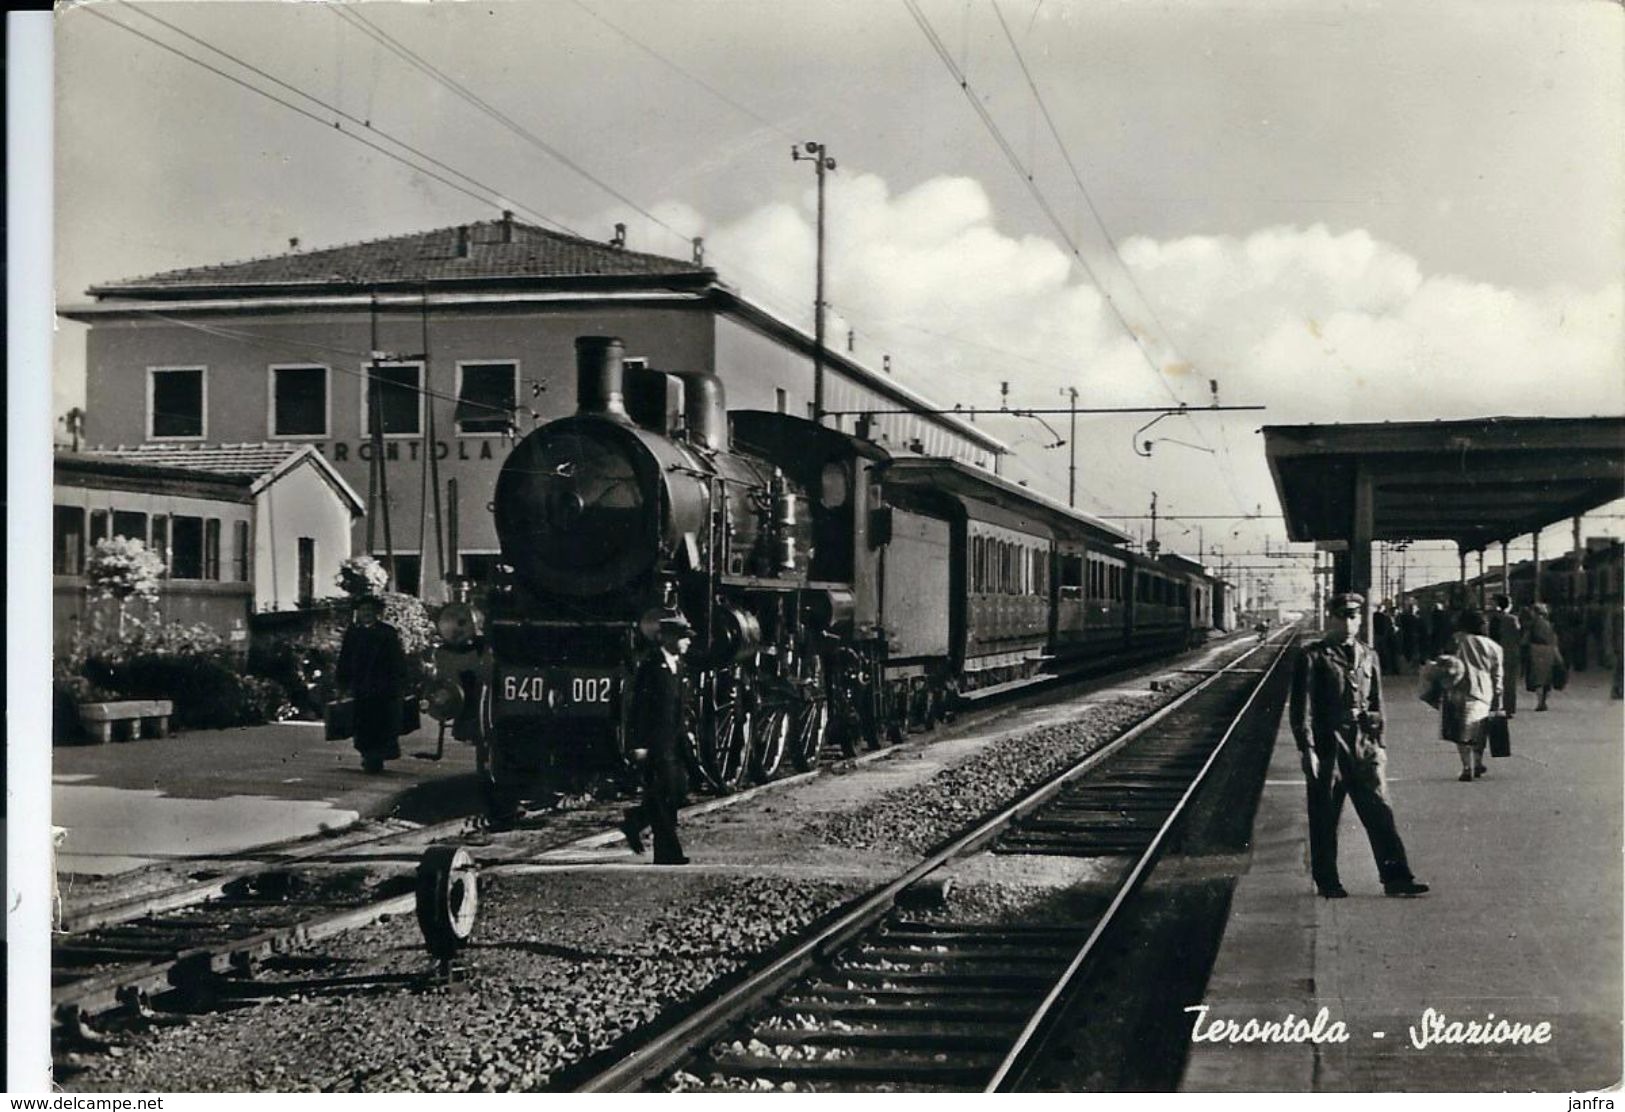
1410 648
372 670
1336 716
1507 631
657 729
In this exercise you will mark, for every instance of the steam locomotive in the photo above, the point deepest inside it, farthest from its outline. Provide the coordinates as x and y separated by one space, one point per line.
837 592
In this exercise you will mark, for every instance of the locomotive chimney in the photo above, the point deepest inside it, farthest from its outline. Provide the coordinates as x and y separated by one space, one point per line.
598 376
705 411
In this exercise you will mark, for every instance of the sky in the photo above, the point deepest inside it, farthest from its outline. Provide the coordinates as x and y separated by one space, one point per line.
1345 211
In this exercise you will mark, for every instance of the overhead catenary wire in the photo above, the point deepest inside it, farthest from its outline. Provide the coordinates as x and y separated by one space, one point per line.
361 23
1026 175
330 125
1028 179
491 195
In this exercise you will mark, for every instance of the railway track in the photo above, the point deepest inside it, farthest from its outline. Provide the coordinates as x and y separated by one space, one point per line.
887 998
193 946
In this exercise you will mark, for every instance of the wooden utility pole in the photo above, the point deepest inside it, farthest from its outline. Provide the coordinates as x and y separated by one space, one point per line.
818 155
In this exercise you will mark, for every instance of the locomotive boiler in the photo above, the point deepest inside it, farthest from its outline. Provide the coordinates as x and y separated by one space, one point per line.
837 590
634 507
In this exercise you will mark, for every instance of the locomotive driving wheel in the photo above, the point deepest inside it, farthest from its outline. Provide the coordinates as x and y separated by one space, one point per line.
773 722
810 725
726 722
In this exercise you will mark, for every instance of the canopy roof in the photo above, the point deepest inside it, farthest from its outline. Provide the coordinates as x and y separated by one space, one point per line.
1474 482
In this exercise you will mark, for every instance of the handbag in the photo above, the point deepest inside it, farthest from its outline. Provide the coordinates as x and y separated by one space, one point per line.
1500 735
411 721
339 719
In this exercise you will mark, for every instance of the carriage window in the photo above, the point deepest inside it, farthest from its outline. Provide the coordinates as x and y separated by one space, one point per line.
1071 576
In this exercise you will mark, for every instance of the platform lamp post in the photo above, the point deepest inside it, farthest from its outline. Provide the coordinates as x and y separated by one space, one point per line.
1072 452
818 155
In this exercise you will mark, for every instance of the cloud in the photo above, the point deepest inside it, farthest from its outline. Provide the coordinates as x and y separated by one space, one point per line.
1322 325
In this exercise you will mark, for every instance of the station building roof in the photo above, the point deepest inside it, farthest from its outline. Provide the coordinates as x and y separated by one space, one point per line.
1474 482
505 262
250 466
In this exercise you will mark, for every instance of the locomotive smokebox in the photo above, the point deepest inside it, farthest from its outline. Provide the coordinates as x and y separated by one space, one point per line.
598 376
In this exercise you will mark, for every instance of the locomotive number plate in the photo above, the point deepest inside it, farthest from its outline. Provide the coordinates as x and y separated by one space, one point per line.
524 692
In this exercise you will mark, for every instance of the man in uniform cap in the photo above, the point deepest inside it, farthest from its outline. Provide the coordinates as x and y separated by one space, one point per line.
1336 716
656 728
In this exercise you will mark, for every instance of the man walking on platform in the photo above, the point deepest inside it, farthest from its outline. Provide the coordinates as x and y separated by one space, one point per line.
657 726
1336 717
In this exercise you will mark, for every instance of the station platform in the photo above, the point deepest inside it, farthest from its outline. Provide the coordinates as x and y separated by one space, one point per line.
1523 920
127 805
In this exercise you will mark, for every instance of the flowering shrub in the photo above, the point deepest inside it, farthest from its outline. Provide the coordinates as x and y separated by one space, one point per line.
154 637
121 568
411 620
190 665
362 575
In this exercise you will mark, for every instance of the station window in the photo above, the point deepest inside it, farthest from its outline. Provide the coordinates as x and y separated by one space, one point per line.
160 538
98 527
408 573
398 398
298 401
175 403
211 549
487 394
186 554
478 567
130 525
306 568
67 540
239 547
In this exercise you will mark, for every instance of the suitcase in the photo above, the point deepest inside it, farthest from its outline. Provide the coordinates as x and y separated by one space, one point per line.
1500 734
339 718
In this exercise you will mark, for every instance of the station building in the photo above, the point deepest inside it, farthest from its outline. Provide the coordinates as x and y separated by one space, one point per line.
241 529
472 332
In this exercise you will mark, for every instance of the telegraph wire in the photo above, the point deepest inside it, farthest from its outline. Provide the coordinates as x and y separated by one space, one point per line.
358 121
327 124
1026 176
434 73
250 340
700 81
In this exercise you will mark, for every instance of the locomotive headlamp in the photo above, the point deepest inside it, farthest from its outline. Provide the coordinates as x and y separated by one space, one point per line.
458 624
444 699
649 624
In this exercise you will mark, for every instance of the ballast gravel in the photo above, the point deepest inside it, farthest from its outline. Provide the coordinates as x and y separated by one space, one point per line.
564 964
559 972
923 815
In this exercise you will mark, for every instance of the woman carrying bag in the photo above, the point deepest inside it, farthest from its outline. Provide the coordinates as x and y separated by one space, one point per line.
1475 699
1543 659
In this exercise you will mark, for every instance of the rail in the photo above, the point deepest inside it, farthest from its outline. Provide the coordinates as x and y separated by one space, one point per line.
667 1049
